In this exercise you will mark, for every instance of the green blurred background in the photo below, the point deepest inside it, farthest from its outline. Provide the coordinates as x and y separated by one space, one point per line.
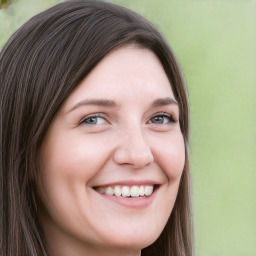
215 42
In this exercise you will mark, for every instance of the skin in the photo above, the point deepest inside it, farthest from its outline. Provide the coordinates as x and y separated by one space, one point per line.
132 141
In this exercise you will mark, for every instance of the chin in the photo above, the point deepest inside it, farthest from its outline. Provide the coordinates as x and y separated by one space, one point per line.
133 239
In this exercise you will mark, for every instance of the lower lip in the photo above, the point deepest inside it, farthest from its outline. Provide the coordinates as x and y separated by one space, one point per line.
132 202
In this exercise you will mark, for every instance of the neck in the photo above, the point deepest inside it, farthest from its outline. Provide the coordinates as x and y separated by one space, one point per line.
65 251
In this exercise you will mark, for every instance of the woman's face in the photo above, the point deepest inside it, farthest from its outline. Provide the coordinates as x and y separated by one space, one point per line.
112 158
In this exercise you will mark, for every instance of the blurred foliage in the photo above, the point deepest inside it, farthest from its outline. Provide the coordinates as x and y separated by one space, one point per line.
215 44
4 3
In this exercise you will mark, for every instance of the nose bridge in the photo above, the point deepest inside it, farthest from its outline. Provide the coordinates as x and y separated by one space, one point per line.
133 148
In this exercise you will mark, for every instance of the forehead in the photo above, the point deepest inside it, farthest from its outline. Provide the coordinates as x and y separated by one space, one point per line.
126 73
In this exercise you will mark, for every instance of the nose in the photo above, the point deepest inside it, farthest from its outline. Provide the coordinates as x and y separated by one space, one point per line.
133 150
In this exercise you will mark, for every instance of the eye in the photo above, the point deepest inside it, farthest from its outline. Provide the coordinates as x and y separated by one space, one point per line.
95 119
162 118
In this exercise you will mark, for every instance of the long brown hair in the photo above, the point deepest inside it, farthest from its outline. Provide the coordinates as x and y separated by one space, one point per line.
40 66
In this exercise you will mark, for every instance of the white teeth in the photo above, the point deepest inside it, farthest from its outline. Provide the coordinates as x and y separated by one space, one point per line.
135 191
109 191
117 191
126 191
101 190
141 191
148 190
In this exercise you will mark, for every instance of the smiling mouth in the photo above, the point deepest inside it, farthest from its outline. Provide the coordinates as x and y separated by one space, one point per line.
127 191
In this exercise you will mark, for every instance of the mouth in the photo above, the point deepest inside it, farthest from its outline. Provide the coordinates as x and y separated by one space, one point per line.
125 191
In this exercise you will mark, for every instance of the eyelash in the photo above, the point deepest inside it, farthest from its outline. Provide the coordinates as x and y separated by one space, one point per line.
164 115
161 114
83 121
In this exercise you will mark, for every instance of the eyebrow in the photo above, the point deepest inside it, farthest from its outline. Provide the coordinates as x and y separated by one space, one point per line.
113 104
164 101
97 102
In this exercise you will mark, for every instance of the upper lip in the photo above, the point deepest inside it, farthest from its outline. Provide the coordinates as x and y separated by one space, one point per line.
128 183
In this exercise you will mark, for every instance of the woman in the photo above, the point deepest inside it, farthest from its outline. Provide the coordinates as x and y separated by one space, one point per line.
94 137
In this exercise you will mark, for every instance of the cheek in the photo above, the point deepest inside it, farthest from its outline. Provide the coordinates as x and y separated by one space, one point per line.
66 166
170 156
73 158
